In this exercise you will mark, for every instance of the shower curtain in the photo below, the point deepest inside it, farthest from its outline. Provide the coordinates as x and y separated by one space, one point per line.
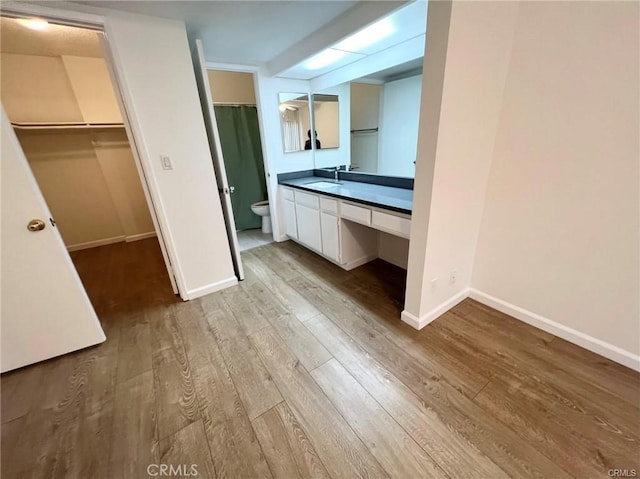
242 151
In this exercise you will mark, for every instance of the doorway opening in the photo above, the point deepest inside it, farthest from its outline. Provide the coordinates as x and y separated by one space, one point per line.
65 108
234 104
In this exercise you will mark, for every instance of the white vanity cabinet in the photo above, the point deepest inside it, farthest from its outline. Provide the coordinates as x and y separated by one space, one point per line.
340 230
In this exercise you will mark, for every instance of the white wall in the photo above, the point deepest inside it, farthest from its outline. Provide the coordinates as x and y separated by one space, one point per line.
123 181
92 89
527 185
399 119
458 124
33 100
154 64
232 87
559 235
365 106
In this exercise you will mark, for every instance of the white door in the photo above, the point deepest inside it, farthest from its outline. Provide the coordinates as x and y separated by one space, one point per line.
330 235
45 309
216 152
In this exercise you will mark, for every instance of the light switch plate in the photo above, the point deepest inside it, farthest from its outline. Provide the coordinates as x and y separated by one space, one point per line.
166 162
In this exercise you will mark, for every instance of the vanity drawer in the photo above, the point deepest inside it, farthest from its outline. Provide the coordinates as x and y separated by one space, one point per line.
329 205
305 199
287 193
356 213
391 223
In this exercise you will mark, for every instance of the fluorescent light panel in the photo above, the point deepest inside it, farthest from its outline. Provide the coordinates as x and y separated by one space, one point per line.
324 58
352 44
34 23
367 36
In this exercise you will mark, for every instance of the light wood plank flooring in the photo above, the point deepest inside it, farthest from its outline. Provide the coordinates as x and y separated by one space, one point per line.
304 370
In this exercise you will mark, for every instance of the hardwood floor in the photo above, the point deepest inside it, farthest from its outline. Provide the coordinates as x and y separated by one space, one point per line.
304 370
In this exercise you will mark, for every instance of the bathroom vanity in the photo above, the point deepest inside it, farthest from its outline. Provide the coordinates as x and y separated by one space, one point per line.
340 220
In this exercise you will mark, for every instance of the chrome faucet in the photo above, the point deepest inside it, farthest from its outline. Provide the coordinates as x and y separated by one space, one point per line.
335 174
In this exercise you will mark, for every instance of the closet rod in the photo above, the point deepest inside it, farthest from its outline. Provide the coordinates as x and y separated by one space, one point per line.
365 130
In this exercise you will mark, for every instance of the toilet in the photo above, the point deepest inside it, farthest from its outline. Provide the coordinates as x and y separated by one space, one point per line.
261 208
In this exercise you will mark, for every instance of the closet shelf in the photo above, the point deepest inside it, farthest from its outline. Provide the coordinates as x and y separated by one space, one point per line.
64 125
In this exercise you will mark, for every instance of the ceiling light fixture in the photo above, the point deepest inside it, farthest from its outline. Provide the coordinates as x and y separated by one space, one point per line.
367 36
324 58
33 23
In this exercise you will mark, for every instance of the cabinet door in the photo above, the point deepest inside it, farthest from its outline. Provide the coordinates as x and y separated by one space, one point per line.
290 223
309 227
330 236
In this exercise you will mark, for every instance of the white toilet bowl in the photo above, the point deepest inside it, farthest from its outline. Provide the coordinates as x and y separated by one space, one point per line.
261 208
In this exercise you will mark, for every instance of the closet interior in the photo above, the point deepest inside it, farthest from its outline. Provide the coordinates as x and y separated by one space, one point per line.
58 94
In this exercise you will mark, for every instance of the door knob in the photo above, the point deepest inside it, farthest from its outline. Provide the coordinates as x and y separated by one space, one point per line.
36 225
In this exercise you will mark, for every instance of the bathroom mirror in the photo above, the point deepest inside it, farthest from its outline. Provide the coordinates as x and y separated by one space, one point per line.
385 113
295 120
326 120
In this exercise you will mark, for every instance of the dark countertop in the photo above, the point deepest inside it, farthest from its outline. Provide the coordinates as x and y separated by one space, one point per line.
388 197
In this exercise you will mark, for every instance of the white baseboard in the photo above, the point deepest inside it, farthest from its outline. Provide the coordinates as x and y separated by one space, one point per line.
95 244
595 345
211 288
346 266
112 240
141 236
435 313
411 320
358 262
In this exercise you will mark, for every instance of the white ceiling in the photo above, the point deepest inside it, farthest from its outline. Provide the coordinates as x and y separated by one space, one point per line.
56 40
400 26
274 34
241 32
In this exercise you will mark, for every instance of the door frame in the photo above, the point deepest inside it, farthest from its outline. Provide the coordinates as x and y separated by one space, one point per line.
100 23
254 70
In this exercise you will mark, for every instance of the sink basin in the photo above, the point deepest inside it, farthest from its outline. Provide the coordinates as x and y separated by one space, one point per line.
323 184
